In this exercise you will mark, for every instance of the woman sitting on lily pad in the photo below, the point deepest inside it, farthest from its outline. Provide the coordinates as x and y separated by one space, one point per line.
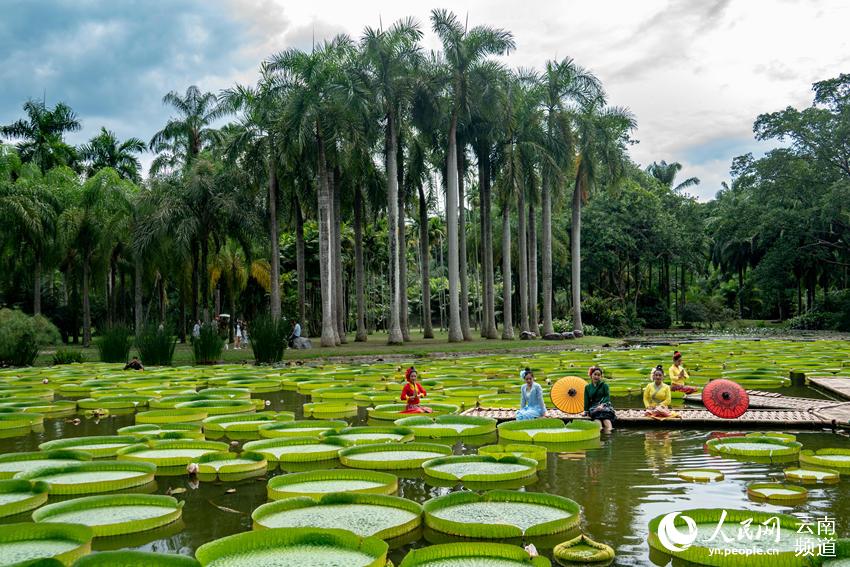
531 403
411 392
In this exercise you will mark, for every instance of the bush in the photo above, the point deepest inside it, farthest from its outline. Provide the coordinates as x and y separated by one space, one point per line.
653 310
711 310
693 312
156 346
207 347
268 339
114 344
611 317
21 337
811 321
67 356
563 325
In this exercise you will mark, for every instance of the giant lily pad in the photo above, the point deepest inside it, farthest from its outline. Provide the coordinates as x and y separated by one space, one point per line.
472 554
501 514
175 415
700 475
330 410
396 411
448 425
113 514
300 428
169 430
838 459
98 447
315 484
765 447
13 463
549 430
171 452
392 456
219 406
777 493
480 468
21 543
365 435
19 420
363 514
293 547
93 476
231 463
18 496
244 422
125 558
296 449
812 474
526 450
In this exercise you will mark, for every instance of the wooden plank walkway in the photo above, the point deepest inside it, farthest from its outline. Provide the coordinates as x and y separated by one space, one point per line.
827 416
837 385
759 399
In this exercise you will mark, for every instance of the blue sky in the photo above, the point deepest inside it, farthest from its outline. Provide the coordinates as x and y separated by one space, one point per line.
695 73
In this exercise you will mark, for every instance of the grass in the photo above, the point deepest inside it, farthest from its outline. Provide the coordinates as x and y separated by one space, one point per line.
375 347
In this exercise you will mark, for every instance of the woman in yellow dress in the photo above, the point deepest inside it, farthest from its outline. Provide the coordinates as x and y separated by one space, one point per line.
678 376
656 396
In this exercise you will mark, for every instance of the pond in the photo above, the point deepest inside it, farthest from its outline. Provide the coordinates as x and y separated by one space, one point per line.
621 484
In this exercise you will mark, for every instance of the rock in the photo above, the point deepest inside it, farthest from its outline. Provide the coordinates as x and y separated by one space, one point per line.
526 336
552 337
301 343
568 335
578 334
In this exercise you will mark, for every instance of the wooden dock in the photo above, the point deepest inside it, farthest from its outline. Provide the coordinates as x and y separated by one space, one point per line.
760 399
835 385
829 415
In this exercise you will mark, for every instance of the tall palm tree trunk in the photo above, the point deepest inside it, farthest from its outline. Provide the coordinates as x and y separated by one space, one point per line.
455 332
339 292
546 256
205 277
394 335
274 237
299 263
86 301
404 308
522 247
138 270
36 290
489 325
575 257
359 285
325 249
461 229
507 318
425 261
532 268
196 310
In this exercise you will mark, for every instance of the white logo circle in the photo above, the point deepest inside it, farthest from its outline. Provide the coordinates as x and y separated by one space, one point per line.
670 536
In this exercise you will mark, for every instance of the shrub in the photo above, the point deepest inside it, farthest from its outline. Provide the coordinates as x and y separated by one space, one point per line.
611 317
563 325
207 347
693 312
653 310
114 344
811 321
156 346
67 356
22 336
268 339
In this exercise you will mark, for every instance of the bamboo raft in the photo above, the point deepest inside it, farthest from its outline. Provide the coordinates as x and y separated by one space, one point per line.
829 414
760 399
836 385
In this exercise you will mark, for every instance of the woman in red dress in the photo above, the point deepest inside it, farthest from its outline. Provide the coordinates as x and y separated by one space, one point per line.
411 392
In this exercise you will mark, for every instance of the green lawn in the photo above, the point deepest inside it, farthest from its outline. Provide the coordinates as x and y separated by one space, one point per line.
377 347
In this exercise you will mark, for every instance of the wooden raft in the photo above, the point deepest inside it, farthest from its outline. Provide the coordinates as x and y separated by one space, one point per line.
837 385
760 399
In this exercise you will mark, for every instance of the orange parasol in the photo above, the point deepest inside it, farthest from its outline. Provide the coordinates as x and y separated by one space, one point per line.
568 394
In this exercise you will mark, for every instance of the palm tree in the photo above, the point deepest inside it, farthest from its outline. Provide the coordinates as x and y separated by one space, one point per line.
186 135
462 48
563 82
42 133
105 150
601 138
666 174
256 139
390 55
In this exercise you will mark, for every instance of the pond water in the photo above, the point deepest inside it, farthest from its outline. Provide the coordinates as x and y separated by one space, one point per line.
621 485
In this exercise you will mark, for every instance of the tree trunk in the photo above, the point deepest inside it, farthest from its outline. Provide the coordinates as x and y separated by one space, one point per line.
404 308
36 290
339 292
522 247
86 302
325 249
196 311
507 324
394 335
425 267
488 325
532 269
274 236
575 257
138 268
301 272
546 255
359 286
455 332
461 230
204 277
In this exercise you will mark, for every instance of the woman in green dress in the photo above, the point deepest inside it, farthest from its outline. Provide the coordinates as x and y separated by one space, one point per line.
597 400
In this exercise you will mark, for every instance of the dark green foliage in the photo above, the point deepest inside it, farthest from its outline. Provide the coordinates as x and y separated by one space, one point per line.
114 344
22 336
611 317
156 346
268 339
207 347
653 310
67 356
710 310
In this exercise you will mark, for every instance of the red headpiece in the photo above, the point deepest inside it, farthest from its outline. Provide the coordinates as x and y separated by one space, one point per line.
408 372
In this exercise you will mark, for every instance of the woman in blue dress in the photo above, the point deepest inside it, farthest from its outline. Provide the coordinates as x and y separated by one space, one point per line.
531 404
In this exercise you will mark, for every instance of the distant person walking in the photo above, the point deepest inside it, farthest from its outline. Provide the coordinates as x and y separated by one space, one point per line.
237 335
196 330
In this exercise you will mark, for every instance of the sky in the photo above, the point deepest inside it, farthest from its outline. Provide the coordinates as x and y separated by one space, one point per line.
695 73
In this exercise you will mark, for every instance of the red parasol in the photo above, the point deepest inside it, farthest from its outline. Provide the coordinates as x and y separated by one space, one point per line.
725 399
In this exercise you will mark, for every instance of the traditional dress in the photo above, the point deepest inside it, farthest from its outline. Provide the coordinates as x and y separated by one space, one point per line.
597 401
656 400
531 403
677 383
410 393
